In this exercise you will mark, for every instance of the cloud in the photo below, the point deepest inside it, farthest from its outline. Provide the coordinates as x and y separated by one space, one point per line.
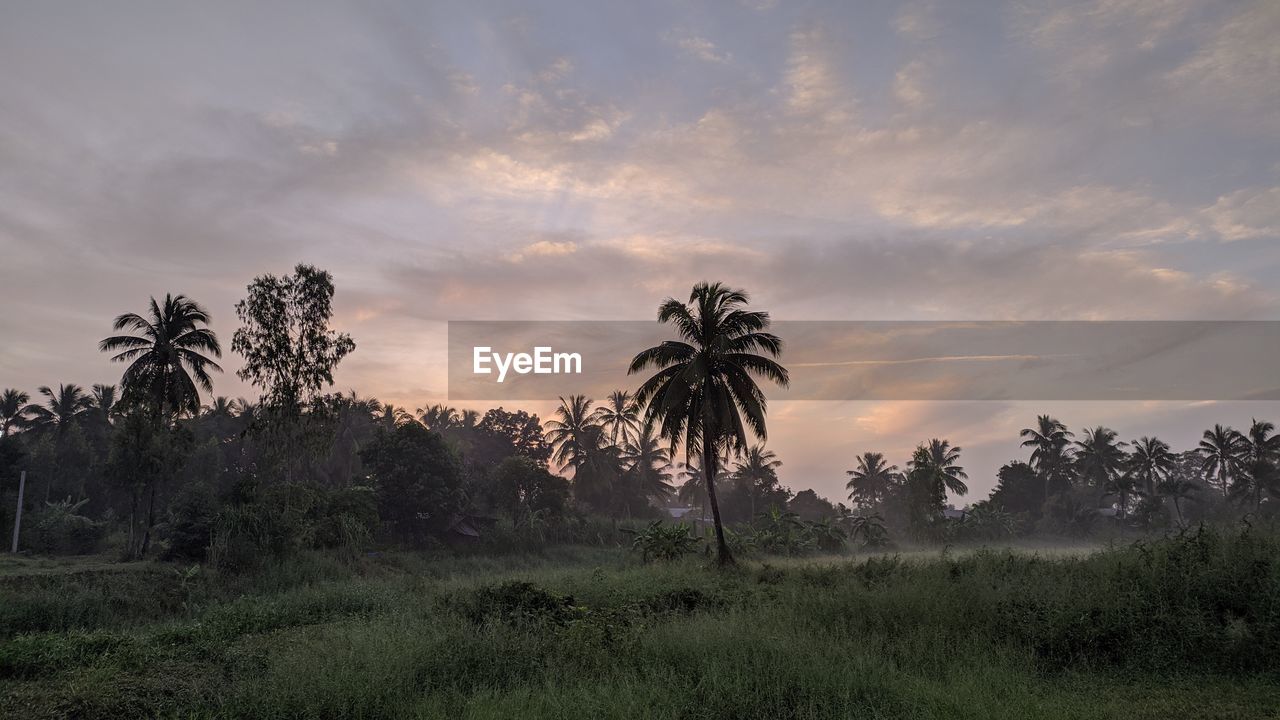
1247 214
697 46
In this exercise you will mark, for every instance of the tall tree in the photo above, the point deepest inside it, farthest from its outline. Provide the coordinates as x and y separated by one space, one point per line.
1099 458
104 402
573 432
1221 450
931 473
1049 440
288 347
940 462
757 472
619 417
61 409
13 410
168 362
704 394
870 483
1261 457
648 465
1150 463
438 417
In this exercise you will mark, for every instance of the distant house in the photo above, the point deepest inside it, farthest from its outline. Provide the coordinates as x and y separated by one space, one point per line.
951 513
679 513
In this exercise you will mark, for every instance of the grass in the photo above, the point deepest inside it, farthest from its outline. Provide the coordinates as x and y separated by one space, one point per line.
1162 629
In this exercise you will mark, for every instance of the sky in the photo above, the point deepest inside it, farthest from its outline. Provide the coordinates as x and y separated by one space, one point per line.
1023 160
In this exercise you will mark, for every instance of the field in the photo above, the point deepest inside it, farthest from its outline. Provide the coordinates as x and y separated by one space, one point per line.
1170 628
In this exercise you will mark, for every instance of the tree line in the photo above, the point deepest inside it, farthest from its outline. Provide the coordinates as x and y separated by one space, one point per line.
233 480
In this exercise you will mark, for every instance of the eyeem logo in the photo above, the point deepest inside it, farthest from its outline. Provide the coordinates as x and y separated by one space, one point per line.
542 362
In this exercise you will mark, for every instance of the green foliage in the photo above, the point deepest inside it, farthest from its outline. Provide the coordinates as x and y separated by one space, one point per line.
418 481
662 541
283 519
869 530
516 602
58 528
983 523
528 493
289 350
1143 631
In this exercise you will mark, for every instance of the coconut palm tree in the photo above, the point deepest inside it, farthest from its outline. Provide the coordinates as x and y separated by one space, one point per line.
1221 450
168 365
757 469
1050 440
871 482
13 410
220 407
704 394
648 465
104 402
393 416
1261 454
619 417
1099 458
437 417
61 410
1177 489
939 462
1150 462
573 432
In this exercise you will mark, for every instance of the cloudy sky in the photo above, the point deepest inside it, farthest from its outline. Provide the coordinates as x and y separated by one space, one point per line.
1113 159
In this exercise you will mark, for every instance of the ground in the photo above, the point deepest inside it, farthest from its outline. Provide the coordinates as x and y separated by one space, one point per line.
591 632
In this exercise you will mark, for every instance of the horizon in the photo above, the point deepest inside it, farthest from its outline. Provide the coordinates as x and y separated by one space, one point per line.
912 162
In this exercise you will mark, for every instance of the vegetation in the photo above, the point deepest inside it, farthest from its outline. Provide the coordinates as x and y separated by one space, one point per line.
1139 631
326 554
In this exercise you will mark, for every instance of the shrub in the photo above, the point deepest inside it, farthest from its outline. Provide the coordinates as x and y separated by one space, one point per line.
58 529
658 541
517 602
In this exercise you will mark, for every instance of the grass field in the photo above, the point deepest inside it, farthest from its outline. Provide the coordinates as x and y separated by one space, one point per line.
1176 628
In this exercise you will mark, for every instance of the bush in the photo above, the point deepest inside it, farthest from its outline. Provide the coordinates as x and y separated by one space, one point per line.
58 529
658 541
517 602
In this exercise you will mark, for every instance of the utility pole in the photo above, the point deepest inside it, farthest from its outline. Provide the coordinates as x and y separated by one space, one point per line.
17 516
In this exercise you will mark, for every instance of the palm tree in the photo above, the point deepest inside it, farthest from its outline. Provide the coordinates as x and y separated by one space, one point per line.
871 482
221 407
1099 457
104 402
619 417
1221 451
393 416
1261 454
246 409
1050 439
437 417
574 431
703 394
939 462
757 470
61 409
167 360
1150 463
1123 485
648 464
870 528
1177 489
13 410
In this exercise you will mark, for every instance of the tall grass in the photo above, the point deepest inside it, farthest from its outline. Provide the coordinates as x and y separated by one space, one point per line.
1147 630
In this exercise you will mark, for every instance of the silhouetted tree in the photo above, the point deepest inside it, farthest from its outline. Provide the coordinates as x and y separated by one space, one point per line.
703 394
167 362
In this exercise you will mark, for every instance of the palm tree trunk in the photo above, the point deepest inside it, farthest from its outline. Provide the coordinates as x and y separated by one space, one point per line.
709 470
